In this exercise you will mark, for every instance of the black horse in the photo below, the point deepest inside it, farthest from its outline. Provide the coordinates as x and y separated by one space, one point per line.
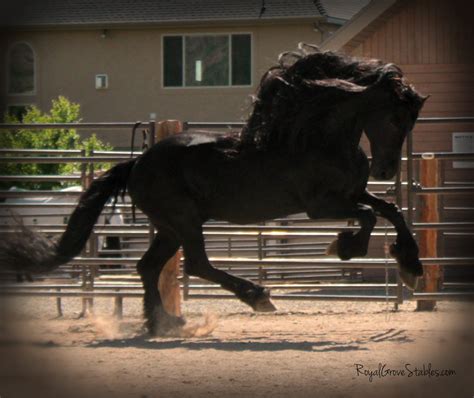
299 152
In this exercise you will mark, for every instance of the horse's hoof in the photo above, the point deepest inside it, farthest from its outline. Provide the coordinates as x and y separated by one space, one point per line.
410 280
409 264
331 250
165 325
259 300
346 246
341 246
264 305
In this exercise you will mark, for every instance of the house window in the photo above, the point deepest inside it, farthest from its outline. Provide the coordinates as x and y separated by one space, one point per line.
207 60
17 111
21 69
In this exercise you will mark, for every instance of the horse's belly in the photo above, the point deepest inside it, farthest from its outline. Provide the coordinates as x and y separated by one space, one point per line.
247 203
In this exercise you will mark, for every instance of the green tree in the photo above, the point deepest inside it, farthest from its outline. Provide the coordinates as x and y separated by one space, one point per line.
62 111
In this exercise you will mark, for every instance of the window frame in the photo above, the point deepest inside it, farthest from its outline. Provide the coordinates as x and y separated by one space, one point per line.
7 71
106 76
183 71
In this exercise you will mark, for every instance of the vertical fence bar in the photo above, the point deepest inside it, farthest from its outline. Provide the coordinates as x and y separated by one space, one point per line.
260 257
83 171
185 280
150 142
118 305
59 307
84 288
90 269
409 149
409 191
399 202
442 216
93 252
85 183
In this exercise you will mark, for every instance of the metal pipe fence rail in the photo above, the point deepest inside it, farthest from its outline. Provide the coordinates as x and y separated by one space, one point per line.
92 278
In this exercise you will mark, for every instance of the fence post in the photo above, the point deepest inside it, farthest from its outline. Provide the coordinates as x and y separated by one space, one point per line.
87 174
428 239
168 284
399 202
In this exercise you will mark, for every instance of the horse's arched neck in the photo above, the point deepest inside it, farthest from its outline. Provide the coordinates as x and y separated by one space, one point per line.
342 129
353 115
335 128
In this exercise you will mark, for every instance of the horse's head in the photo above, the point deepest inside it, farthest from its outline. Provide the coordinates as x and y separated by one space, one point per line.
311 98
395 109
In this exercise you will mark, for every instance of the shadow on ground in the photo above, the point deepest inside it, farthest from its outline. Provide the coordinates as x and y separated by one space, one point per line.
234 345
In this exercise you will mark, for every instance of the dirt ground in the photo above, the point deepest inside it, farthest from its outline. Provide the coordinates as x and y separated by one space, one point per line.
306 349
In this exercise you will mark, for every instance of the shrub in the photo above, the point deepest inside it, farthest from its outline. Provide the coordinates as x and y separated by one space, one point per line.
62 111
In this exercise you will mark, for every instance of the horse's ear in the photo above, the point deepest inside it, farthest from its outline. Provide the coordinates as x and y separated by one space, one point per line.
336 85
307 49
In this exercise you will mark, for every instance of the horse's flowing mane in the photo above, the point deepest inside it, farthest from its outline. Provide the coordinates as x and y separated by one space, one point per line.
304 85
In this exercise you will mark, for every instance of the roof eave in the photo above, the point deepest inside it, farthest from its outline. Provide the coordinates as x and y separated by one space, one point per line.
336 21
164 24
357 24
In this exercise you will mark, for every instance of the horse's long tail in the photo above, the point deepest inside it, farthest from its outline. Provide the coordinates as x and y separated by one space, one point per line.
32 252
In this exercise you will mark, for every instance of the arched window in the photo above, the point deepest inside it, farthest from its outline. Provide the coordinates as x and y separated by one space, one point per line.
21 69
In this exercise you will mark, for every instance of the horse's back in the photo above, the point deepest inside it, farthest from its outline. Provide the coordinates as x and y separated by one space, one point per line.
212 173
177 168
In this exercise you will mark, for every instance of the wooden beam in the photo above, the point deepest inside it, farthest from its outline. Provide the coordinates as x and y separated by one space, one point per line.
168 283
428 239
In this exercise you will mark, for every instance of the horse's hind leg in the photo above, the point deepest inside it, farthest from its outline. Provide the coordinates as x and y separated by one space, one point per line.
197 264
163 247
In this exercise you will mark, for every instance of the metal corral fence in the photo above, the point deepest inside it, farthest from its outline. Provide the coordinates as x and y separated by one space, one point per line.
286 254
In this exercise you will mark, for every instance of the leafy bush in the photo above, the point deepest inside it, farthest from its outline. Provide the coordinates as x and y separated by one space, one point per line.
62 111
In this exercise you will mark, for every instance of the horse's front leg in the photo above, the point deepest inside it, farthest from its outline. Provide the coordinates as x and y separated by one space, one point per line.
348 244
405 249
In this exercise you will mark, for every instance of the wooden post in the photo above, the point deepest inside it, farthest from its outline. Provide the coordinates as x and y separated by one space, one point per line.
428 239
168 284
